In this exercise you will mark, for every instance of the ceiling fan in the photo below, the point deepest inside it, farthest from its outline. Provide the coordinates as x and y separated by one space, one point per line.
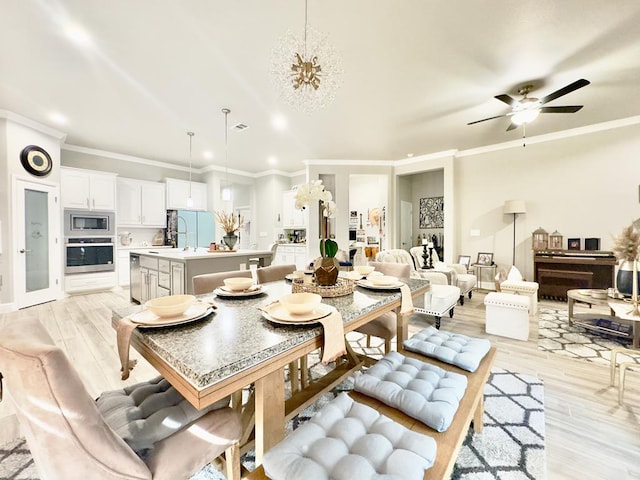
526 109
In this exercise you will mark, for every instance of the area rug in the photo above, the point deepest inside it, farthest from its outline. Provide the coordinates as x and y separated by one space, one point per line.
555 335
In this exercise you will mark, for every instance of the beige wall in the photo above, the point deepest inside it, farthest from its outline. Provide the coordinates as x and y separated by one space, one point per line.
583 186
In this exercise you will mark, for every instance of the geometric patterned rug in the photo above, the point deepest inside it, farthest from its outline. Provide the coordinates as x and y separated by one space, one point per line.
511 444
555 335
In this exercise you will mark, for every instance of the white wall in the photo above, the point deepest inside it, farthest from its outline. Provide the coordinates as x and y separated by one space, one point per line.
583 186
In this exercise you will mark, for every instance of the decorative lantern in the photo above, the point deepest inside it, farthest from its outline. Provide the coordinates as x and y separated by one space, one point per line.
555 241
540 239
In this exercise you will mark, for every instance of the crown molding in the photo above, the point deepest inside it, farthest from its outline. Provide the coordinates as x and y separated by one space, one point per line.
27 122
550 137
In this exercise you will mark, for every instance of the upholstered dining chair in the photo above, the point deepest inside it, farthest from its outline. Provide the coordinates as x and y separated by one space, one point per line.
385 326
71 436
274 273
208 282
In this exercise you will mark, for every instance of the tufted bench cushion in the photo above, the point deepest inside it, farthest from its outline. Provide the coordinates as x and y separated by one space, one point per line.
422 391
347 441
148 412
459 350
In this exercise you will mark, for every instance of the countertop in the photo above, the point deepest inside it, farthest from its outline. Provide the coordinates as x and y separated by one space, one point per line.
199 254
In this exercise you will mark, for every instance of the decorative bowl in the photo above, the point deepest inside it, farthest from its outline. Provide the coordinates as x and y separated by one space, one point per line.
170 306
300 303
238 284
383 280
364 269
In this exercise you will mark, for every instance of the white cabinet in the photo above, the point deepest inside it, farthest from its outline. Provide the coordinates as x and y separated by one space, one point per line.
178 193
86 189
123 268
177 278
141 203
292 254
292 217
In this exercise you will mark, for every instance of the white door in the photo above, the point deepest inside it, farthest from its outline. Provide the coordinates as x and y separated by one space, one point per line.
406 222
245 232
37 277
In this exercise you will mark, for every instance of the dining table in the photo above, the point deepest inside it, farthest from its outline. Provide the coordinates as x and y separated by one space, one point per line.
236 346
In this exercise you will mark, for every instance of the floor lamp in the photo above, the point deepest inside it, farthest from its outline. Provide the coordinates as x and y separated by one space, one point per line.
514 207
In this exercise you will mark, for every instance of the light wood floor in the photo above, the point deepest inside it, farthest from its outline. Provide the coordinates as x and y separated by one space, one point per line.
588 435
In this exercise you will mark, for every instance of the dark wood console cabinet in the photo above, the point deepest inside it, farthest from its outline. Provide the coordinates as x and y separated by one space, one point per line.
559 271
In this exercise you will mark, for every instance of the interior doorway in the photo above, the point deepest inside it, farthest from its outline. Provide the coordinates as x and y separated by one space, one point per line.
406 225
36 228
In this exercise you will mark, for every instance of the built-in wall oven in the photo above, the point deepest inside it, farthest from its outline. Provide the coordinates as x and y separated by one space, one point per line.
89 254
89 241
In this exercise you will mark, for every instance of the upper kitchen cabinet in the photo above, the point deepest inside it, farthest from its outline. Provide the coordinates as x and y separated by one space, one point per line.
141 203
88 190
292 217
178 193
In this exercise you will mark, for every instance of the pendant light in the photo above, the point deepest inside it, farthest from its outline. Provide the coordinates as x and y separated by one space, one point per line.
190 197
226 191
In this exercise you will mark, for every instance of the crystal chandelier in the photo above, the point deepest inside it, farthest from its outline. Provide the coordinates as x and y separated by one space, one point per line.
306 70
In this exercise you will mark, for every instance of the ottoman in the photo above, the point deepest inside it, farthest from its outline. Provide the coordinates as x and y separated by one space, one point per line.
507 315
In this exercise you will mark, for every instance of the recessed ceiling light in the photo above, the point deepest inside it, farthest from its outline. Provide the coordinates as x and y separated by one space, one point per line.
272 160
208 154
409 155
58 118
78 35
279 122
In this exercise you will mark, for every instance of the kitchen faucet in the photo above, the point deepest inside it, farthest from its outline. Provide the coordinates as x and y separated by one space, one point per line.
185 233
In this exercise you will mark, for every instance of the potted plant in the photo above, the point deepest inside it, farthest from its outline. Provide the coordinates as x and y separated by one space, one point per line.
230 224
625 248
327 268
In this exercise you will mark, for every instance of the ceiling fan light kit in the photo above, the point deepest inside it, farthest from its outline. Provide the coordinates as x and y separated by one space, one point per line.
527 109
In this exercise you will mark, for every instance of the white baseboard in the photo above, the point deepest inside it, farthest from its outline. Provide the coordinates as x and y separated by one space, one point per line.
8 307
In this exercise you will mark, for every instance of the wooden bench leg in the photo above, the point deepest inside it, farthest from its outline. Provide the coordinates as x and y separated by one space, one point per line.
478 416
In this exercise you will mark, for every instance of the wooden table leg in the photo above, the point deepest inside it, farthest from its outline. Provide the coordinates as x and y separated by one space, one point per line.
402 332
269 396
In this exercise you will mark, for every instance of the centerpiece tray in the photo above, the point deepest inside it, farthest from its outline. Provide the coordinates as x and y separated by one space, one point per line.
341 288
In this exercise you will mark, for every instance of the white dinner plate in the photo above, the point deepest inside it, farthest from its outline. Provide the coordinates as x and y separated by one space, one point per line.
251 292
369 284
146 318
276 312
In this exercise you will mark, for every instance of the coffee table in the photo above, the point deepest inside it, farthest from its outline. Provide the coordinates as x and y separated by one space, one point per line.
618 312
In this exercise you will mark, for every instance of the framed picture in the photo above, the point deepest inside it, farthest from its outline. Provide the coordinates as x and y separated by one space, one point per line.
485 259
573 243
464 260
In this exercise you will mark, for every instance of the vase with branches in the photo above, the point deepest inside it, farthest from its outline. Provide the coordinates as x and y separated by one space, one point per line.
326 273
625 248
230 224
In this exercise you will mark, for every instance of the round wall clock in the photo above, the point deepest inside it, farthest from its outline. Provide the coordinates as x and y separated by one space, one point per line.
36 160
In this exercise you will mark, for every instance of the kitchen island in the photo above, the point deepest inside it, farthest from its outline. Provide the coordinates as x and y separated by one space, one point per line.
159 272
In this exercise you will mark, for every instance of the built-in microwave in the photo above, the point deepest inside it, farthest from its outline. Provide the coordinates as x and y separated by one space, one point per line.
88 223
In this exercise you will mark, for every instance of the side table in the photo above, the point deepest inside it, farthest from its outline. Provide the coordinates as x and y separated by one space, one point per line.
481 273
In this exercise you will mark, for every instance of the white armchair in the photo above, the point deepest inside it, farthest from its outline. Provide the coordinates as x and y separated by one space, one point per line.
440 299
456 273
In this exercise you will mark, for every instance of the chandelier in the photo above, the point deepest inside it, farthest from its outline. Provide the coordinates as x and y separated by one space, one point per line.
306 70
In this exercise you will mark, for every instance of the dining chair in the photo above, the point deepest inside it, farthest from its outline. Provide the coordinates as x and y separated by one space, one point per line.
274 273
298 371
208 282
385 326
71 436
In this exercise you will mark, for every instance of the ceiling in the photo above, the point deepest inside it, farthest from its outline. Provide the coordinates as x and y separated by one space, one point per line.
415 73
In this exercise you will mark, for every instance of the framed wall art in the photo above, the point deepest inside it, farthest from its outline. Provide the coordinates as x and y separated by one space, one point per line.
432 212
